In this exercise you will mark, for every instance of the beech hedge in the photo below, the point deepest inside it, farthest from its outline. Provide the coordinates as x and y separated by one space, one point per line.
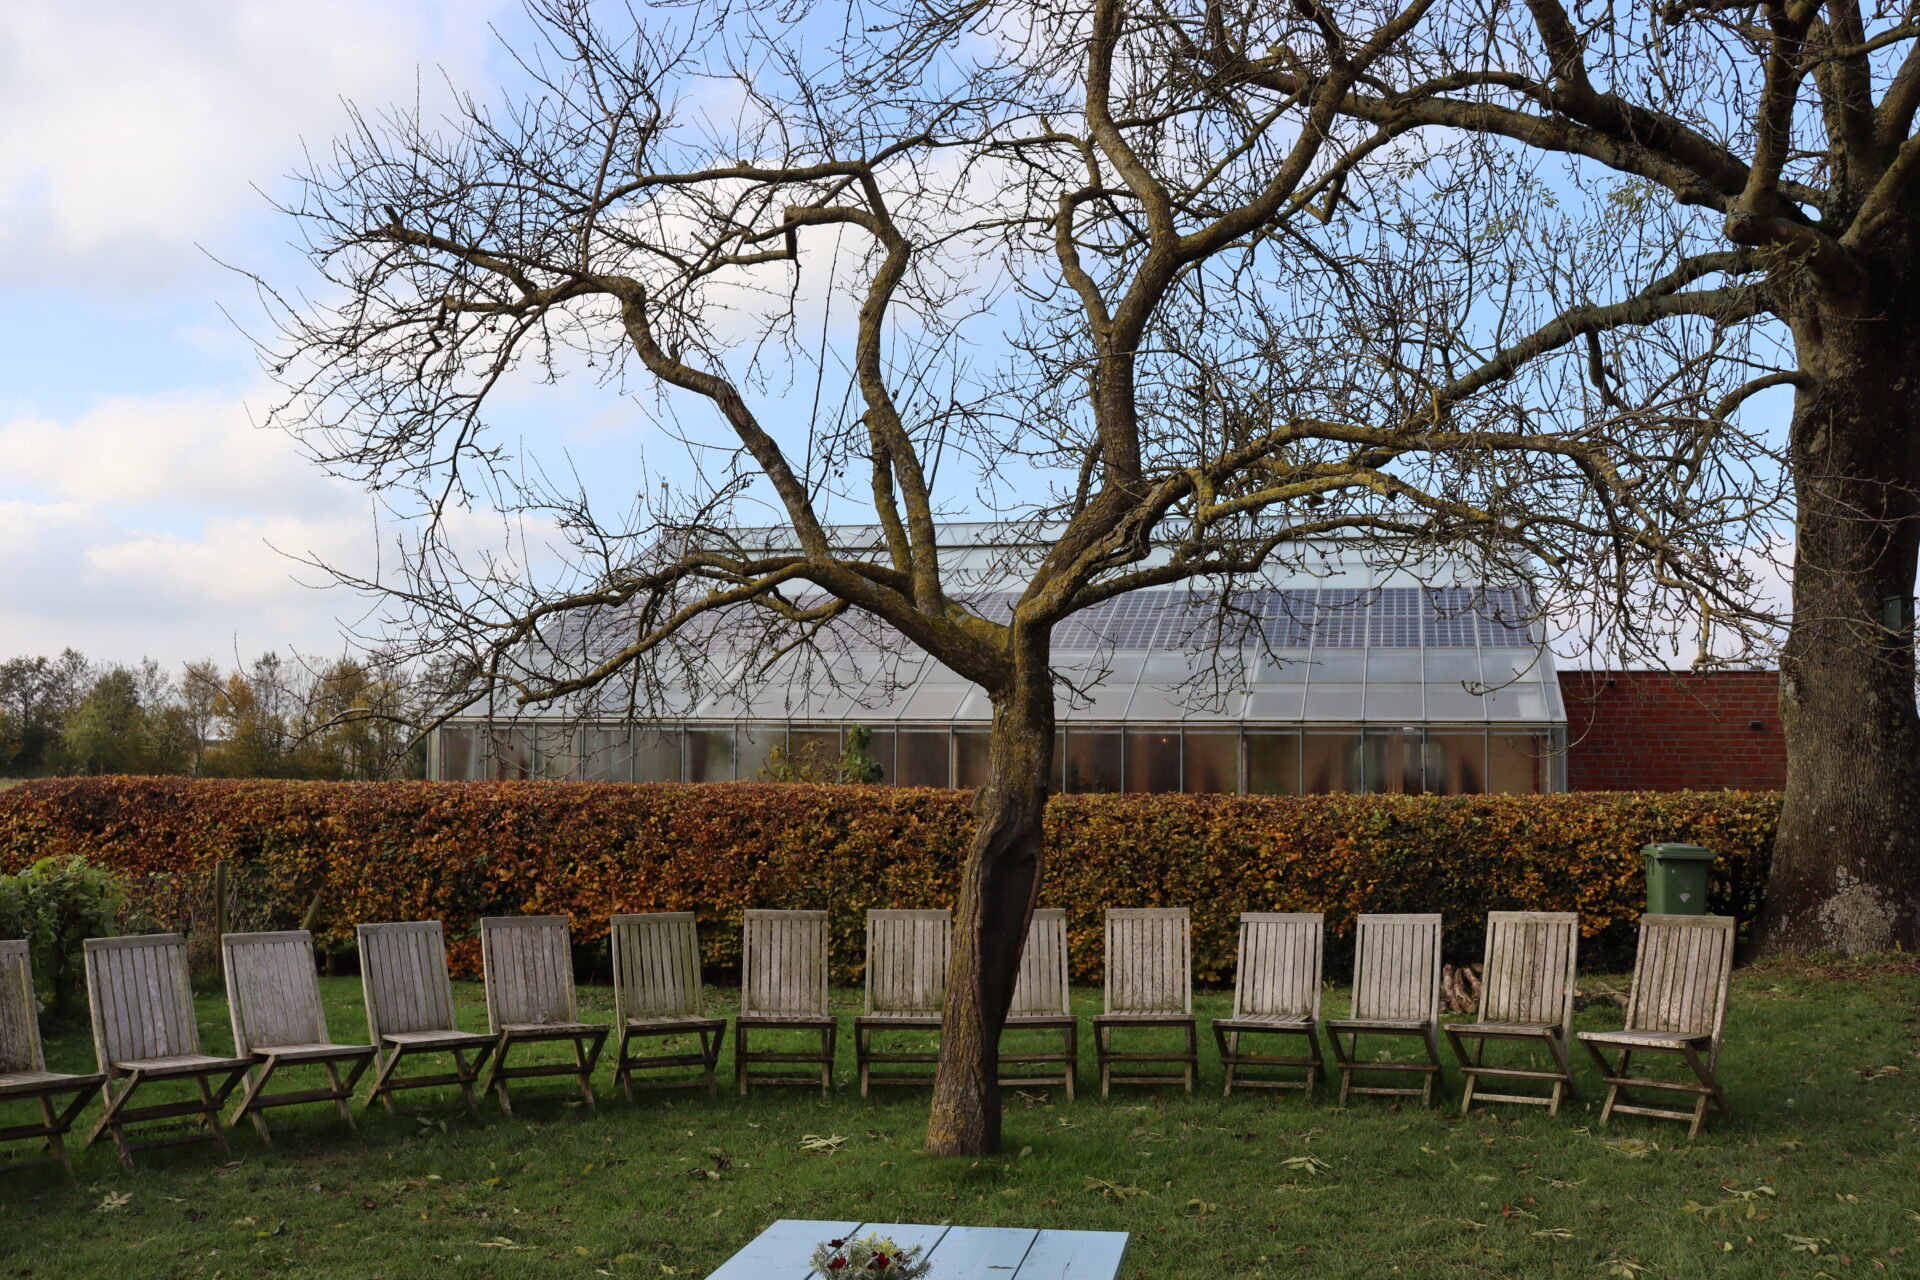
339 853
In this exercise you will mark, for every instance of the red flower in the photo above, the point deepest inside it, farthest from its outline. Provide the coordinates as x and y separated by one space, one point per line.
836 1264
835 1244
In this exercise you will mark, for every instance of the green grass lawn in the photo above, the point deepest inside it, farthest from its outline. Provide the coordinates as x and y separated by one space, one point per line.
1818 1173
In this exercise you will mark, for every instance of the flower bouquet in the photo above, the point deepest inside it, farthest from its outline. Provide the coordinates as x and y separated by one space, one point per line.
872 1255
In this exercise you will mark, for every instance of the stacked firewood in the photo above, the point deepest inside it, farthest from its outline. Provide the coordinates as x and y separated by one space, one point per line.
1460 988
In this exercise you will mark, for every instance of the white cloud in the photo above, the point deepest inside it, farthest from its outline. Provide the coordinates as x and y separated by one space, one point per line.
135 130
178 450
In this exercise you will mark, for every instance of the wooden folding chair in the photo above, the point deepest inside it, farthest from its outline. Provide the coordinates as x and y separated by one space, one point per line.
907 954
403 973
783 987
1041 1002
23 1066
1526 998
657 993
530 1000
143 1032
273 995
1396 994
1677 1007
1149 984
1276 992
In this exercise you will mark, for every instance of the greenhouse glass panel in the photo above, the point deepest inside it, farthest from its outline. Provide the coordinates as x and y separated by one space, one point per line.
461 756
1153 760
710 755
1093 761
881 750
1393 761
1451 666
1335 702
755 750
936 699
1396 702
1455 702
1518 764
1507 664
1332 666
969 758
923 758
1456 763
1331 762
512 753
1210 762
1516 702
555 756
814 753
606 755
656 756
1390 666
1273 764
1277 702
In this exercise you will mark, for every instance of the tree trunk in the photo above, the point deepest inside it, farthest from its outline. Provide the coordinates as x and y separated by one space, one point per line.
1846 863
997 890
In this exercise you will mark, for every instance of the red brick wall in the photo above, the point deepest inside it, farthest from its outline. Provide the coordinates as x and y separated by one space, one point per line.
1673 730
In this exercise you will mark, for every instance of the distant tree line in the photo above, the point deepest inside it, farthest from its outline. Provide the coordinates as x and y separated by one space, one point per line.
276 718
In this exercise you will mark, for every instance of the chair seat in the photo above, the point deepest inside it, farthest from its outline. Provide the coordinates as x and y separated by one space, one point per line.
181 1064
901 1016
1504 1028
1171 1016
1378 1024
555 1028
783 1019
1040 1019
1647 1039
311 1052
1256 1021
28 1083
437 1039
674 1022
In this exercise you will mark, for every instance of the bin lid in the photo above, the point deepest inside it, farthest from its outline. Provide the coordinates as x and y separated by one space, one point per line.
1678 853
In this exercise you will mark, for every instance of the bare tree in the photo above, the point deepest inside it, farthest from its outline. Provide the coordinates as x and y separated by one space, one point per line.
1099 292
1778 136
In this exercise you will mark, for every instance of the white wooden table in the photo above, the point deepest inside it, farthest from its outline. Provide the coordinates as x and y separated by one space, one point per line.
782 1251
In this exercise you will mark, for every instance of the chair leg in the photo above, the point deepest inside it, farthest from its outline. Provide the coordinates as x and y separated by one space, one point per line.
1072 1032
255 1084
1563 1087
740 1042
52 1143
109 1121
829 1034
1192 1067
710 1051
467 1077
210 1115
1228 1043
585 1062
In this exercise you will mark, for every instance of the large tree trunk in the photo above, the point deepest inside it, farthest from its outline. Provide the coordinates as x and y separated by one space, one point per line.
997 889
1846 864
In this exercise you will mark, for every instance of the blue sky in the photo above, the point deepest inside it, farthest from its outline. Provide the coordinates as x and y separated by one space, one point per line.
141 512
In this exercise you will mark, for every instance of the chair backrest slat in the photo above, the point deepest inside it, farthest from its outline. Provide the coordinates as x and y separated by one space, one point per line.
19 1010
1680 975
1149 960
783 964
1530 964
656 965
273 989
141 998
403 973
1396 968
1041 989
907 955
529 970
1278 970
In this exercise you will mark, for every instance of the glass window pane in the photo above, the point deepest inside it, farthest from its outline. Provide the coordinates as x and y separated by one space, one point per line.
969 758
1517 702
1330 762
461 759
1455 702
1456 763
1393 761
814 753
606 754
554 752
1276 702
1389 665
1517 763
923 758
1093 761
1452 665
1273 764
710 755
1334 702
1337 665
656 755
1395 702
755 744
1210 762
1502 665
511 755
1153 760
880 749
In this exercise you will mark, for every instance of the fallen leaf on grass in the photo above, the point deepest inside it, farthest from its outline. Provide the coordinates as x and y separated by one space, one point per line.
1113 1190
501 1242
827 1143
1311 1165
1554 1233
114 1200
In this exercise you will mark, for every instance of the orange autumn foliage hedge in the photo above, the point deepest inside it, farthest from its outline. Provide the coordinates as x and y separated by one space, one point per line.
456 851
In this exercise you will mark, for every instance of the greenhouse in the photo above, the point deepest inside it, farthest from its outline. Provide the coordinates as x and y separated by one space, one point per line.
1339 673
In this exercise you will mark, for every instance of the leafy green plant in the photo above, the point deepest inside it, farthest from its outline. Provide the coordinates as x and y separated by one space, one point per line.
56 905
